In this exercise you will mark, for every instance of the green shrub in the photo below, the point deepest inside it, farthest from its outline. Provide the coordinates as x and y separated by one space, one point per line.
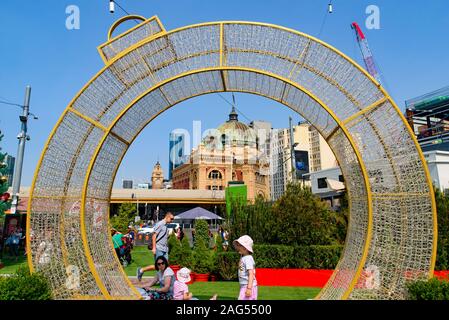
201 232
185 257
25 286
298 217
433 289
125 216
227 265
218 243
442 202
297 257
202 258
174 249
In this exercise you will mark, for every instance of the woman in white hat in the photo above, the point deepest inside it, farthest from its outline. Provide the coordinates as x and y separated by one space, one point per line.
181 290
247 268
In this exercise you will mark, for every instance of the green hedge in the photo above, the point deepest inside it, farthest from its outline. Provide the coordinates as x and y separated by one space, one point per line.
281 257
24 286
433 289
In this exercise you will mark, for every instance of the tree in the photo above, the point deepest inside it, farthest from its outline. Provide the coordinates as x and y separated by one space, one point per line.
125 216
302 218
202 257
342 220
174 247
5 203
201 232
442 203
185 259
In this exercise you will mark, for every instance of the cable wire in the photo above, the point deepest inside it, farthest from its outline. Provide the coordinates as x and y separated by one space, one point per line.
124 10
233 105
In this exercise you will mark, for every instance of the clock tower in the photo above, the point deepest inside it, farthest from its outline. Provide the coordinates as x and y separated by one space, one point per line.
157 177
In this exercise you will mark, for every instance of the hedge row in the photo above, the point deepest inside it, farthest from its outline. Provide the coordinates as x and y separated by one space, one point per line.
433 289
281 257
25 286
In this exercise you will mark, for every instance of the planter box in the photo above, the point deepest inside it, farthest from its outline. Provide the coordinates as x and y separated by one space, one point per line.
175 268
192 278
202 277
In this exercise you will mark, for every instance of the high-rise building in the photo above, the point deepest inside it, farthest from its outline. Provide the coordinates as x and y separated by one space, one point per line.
127 184
10 162
312 153
176 152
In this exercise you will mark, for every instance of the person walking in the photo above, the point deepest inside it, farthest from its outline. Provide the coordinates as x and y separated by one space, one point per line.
14 241
247 268
159 243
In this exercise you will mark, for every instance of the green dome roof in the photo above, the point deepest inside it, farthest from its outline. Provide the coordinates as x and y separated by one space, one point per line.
236 132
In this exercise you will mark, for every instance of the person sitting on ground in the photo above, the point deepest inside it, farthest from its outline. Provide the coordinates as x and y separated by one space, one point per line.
165 277
181 290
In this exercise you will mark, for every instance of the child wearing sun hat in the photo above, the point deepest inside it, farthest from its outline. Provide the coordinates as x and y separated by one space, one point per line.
180 289
247 268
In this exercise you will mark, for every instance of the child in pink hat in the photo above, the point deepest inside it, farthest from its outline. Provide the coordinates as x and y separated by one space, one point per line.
181 290
247 268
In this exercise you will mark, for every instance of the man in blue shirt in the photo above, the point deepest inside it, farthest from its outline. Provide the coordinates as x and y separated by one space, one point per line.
160 239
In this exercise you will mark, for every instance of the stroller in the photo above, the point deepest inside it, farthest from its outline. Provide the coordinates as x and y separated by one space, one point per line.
125 251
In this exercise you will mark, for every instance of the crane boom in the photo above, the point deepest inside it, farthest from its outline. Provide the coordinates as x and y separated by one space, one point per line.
366 52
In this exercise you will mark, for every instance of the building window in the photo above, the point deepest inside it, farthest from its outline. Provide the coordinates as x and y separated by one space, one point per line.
322 184
215 174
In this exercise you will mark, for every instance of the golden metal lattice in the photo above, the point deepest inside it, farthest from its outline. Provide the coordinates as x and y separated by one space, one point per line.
392 231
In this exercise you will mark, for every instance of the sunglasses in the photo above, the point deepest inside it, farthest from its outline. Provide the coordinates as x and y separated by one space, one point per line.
160 263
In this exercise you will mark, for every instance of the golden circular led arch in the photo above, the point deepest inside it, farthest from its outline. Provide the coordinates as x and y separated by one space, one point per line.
391 236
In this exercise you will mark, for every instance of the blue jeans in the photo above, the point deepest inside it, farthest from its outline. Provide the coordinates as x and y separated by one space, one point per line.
160 253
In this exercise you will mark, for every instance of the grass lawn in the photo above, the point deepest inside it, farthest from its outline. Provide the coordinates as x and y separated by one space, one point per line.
142 257
10 264
226 290
229 290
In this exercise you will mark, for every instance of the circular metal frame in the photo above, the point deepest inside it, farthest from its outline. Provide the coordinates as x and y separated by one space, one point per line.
392 230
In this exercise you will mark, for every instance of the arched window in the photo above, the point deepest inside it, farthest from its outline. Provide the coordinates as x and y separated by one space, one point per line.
215 174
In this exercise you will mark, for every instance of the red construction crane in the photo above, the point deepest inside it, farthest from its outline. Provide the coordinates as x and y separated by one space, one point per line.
366 52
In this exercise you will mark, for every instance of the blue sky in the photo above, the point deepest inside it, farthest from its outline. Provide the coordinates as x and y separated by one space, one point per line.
411 48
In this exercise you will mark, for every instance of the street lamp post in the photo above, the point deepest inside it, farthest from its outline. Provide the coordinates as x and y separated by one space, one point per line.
23 137
292 151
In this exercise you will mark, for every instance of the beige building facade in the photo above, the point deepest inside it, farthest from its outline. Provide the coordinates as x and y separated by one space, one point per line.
229 153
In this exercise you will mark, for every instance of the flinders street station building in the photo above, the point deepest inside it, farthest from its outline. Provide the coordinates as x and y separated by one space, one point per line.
230 153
